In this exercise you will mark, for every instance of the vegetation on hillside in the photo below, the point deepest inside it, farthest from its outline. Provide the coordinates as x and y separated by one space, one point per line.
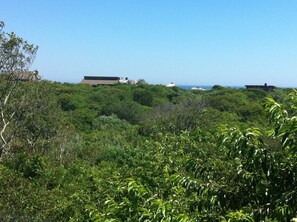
73 152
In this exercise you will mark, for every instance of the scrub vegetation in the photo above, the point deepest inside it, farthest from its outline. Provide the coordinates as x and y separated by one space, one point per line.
73 152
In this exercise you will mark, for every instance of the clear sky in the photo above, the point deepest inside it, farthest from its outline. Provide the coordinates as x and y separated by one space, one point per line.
205 42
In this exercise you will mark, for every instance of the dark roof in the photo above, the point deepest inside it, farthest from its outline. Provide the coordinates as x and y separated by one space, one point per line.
264 87
101 78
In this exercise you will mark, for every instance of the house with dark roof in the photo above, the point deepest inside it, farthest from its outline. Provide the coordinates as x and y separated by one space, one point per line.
23 76
100 80
264 87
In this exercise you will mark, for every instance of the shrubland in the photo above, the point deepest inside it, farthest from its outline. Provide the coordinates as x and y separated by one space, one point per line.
72 152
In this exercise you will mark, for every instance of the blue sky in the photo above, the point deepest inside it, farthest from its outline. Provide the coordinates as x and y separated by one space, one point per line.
203 42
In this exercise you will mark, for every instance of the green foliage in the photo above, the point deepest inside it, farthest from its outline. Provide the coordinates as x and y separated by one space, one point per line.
217 87
141 82
237 216
143 97
39 122
192 161
184 115
16 56
30 166
68 103
146 153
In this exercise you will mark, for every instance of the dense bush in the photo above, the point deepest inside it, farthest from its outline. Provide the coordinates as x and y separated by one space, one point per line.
150 153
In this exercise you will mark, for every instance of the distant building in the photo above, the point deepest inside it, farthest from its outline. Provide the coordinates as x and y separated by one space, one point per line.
264 87
198 88
124 80
100 80
170 85
23 76
133 82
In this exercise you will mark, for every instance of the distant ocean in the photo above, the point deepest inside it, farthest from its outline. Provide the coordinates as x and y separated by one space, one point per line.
205 87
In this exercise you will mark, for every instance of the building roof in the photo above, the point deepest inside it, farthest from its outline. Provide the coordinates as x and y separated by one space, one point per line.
264 87
101 78
23 75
